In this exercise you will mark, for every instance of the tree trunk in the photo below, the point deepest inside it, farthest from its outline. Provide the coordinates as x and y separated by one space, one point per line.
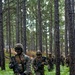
21 33
17 25
50 27
40 25
24 25
71 36
66 28
57 46
1 39
46 41
36 32
9 28
7 31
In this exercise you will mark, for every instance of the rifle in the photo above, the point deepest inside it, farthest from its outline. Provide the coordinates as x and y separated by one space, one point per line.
15 66
38 66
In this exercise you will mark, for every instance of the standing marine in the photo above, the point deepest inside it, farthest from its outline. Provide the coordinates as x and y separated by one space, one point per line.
20 63
50 62
38 63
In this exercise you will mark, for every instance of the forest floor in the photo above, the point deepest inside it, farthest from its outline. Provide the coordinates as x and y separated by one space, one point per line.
63 70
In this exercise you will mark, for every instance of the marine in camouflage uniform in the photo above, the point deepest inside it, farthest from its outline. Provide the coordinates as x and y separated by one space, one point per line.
68 59
62 60
38 63
22 62
50 62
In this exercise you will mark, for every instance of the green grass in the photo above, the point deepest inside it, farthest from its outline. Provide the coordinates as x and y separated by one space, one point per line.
7 71
63 70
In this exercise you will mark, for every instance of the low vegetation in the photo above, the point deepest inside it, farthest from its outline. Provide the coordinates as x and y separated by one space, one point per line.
63 70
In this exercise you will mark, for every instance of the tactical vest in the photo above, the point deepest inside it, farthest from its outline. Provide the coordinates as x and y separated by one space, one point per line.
38 63
21 62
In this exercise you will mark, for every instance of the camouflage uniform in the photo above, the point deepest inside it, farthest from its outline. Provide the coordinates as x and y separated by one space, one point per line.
50 62
62 60
38 63
23 62
68 60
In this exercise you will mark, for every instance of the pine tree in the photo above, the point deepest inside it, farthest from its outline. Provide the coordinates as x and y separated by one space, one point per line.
1 39
56 32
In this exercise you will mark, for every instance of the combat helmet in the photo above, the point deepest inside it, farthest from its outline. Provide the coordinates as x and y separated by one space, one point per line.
49 53
38 52
18 47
